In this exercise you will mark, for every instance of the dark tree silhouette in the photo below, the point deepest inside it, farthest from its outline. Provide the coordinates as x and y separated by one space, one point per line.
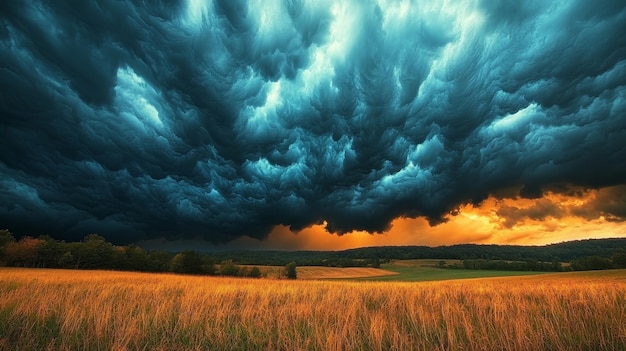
290 270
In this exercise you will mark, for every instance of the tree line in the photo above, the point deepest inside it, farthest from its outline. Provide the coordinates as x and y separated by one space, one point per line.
568 252
562 252
617 260
94 252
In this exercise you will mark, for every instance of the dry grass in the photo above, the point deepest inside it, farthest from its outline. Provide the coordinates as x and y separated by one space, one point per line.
334 272
83 310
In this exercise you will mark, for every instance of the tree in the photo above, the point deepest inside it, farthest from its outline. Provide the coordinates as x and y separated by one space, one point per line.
591 263
228 268
187 262
159 261
208 266
49 252
6 238
376 262
290 270
23 253
255 272
134 258
619 260
66 260
95 253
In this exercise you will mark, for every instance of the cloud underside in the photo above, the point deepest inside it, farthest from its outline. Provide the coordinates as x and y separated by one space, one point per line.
228 118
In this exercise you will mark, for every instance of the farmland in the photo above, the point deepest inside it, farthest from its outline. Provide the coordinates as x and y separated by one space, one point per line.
103 310
317 272
426 270
397 270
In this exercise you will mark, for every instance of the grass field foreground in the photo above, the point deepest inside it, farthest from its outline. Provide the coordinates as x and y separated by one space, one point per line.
93 310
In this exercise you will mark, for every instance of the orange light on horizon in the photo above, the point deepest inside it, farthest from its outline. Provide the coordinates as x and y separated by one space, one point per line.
519 221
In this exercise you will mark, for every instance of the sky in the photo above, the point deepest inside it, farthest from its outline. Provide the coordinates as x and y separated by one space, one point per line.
294 124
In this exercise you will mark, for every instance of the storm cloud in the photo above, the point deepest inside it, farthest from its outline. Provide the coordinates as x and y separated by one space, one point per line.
219 119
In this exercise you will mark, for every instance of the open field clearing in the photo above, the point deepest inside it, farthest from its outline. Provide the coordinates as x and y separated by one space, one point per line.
609 275
315 272
417 263
94 310
424 270
348 272
398 270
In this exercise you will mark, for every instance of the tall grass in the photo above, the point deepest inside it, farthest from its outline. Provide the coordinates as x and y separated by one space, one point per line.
82 310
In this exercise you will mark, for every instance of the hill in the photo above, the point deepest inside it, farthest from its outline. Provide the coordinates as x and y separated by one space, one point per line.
561 252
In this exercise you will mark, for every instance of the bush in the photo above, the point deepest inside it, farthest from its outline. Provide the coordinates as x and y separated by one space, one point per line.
290 270
228 268
187 262
255 272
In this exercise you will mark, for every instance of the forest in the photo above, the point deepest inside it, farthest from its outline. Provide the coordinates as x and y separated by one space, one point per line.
95 252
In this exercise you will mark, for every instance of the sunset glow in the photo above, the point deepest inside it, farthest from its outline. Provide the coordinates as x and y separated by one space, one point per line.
496 221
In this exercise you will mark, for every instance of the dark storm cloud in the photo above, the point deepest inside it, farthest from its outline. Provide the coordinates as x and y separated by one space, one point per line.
590 204
609 202
226 118
541 210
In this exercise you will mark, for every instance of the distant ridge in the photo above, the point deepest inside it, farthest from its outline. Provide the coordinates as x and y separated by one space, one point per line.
564 251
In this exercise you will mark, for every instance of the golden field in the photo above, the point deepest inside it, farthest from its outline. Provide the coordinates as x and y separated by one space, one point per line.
317 272
96 310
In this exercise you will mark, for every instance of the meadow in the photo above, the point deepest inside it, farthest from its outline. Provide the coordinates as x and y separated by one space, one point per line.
423 270
103 310
320 272
419 270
